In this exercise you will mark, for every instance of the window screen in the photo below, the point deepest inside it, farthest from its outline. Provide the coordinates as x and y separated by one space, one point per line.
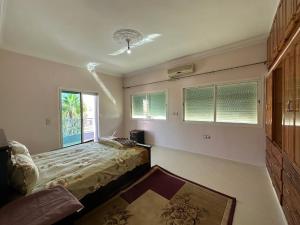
199 104
237 103
149 105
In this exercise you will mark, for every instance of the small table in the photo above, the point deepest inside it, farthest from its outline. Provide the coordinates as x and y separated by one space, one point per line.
41 208
138 136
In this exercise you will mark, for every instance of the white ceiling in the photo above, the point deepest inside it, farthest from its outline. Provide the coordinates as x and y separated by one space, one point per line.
76 32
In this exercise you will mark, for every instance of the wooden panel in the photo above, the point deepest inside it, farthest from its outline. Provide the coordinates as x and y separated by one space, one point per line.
297 3
276 152
297 10
297 100
269 59
287 208
280 25
274 166
277 106
269 145
289 104
269 97
291 192
289 12
286 21
292 175
275 39
277 184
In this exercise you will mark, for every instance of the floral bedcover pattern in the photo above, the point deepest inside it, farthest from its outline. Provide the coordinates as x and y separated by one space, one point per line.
84 168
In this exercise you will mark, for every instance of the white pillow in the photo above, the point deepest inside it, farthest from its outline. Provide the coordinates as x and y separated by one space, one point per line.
18 148
111 143
24 173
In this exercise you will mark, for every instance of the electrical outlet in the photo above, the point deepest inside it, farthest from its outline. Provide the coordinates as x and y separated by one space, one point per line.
47 121
206 136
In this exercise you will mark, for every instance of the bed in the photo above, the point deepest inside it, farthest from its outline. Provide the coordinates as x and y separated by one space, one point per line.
84 168
92 172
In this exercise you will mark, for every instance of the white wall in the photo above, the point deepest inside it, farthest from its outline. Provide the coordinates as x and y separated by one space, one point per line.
29 94
235 142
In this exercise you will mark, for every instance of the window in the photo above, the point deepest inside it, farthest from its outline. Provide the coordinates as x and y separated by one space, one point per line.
139 106
79 122
237 103
199 104
149 105
230 103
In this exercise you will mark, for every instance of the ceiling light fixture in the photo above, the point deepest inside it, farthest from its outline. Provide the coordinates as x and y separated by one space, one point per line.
133 39
128 47
128 36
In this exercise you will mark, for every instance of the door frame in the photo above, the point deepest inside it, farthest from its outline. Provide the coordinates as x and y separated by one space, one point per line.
80 92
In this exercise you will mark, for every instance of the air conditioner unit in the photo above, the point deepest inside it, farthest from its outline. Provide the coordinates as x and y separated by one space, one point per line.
181 71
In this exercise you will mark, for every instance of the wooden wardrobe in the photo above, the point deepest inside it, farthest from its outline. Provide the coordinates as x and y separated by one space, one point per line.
282 108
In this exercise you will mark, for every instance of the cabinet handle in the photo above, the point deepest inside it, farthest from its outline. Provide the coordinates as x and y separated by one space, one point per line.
289 108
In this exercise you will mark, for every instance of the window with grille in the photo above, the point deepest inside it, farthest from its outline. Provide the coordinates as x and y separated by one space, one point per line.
237 103
199 104
149 105
228 103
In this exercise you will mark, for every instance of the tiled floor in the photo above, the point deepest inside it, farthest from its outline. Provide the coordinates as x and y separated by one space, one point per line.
256 201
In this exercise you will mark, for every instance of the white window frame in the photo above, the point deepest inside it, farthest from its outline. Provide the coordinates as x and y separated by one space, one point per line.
148 93
259 104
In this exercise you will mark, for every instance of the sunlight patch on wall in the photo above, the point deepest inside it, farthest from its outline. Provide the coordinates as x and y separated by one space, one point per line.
91 67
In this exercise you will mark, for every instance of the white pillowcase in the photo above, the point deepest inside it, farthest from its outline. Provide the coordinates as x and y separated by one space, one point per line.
18 148
24 173
111 143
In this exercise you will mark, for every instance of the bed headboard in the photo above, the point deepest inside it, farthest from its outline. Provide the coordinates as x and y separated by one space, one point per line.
4 159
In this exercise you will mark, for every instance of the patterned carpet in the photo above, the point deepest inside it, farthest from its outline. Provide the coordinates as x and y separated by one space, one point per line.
161 197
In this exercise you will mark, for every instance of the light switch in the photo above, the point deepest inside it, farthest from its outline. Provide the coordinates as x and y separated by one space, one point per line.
47 121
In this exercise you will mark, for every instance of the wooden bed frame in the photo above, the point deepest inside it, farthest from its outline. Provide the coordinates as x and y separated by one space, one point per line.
90 201
106 192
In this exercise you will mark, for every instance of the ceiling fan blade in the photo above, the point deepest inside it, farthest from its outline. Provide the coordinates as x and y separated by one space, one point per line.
119 52
149 38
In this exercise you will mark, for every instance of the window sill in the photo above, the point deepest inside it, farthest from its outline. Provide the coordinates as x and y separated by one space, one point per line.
149 119
223 124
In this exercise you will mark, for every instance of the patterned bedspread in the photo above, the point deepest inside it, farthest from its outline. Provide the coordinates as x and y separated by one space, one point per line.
83 169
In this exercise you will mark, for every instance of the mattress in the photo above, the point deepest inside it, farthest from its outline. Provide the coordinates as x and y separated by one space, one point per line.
84 168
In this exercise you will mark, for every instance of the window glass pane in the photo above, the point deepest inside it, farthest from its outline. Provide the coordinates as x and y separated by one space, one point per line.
237 103
89 113
71 118
157 106
199 104
139 106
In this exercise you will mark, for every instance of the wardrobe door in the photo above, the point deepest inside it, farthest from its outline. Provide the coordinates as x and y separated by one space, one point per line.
289 104
289 6
297 109
269 97
297 3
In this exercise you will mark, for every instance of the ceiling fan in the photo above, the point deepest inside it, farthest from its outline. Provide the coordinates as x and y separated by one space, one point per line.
132 39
